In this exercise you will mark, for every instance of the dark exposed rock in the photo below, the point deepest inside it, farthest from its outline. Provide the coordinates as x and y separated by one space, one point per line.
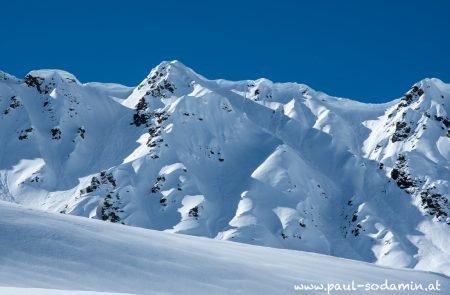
193 212
159 85
438 118
155 128
400 173
110 208
414 93
142 115
104 178
435 203
402 131
81 131
159 182
56 133
108 178
35 82
446 122
356 231
140 119
226 107
24 133
95 184
14 102
432 201
141 105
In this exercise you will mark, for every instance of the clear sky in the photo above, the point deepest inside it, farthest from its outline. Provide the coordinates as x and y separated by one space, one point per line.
367 50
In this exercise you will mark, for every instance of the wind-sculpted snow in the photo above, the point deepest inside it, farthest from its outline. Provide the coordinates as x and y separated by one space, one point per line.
273 164
57 254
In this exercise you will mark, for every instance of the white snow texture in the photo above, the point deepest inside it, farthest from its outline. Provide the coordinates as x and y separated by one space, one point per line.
256 162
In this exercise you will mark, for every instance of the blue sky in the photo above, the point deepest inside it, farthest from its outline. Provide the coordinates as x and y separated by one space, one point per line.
367 50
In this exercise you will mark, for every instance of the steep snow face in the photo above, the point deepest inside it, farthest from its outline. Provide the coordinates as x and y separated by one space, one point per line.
101 257
274 164
411 141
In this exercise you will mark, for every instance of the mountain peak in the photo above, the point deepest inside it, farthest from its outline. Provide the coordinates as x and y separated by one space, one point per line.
275 164
54 74
176 70
166 79
46 80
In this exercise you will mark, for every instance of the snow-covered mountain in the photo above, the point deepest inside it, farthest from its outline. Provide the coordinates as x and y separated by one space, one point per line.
273 164
62 255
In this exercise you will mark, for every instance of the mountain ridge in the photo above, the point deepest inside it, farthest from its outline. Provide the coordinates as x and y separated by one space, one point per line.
273 164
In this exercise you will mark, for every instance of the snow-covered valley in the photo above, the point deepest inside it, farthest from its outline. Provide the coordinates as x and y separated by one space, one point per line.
270 164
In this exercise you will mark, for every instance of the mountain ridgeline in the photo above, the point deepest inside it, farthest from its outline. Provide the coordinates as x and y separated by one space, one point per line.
271 164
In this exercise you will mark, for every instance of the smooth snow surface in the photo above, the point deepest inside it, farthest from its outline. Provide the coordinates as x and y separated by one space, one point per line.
50 251
40 291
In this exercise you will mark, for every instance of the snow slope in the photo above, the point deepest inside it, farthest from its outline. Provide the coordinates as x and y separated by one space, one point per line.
272 164
50 251
41 291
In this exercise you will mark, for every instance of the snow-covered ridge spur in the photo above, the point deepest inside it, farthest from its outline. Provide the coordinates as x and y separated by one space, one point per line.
273 164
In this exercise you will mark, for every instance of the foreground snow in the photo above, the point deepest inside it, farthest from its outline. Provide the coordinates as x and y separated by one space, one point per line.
37 291
53 251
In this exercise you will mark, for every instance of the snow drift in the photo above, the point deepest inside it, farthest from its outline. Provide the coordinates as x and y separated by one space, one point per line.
48 251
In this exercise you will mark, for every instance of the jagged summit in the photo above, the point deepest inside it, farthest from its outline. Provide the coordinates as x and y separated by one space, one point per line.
274 164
